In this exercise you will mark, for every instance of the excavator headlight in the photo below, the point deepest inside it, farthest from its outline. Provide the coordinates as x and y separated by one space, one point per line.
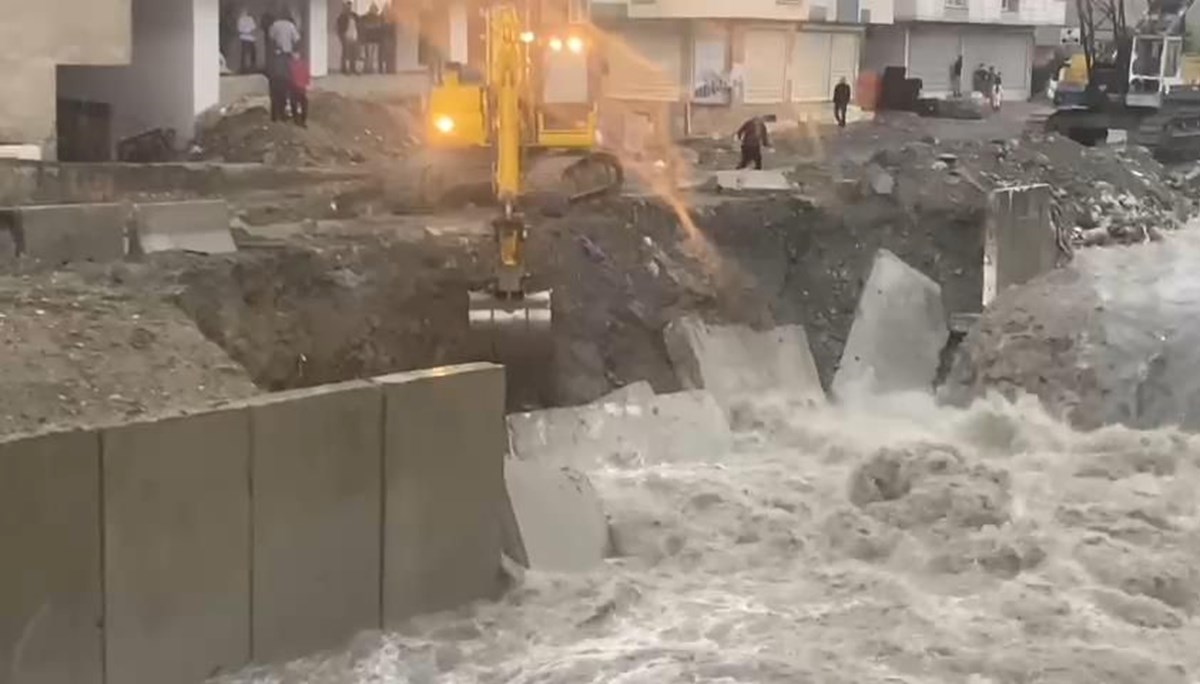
556 44
527 37
575 44
444 124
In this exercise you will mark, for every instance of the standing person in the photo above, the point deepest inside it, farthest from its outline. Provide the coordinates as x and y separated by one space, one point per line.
956 76
998 91
841 101
388 39
268 20
247 30
301 79
347 28
991 87
753 136
284 40
370 28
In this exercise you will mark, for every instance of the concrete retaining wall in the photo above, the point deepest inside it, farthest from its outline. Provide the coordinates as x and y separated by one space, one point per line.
177 548
1020 242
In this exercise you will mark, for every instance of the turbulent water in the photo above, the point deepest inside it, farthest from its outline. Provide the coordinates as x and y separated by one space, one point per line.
898 542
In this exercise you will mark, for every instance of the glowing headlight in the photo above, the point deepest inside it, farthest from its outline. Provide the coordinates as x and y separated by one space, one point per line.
556 44
527 37
444 124
575 44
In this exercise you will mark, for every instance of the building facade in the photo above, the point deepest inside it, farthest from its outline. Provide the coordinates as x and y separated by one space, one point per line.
708 64
929 35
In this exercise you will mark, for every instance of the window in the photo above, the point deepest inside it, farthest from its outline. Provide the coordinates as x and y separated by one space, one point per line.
956 4
1171 62
1010 5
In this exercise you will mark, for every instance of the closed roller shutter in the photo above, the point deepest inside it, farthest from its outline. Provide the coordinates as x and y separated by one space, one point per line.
843 62
810 66
765 66
930 55
645 64
1010 53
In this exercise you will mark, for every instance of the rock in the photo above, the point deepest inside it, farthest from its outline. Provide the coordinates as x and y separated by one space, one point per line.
882 182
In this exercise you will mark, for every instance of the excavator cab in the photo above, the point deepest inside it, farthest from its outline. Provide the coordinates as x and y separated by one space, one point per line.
1154 68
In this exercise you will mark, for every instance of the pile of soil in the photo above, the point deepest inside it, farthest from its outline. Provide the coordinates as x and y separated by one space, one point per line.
81 351
340 131
1103 195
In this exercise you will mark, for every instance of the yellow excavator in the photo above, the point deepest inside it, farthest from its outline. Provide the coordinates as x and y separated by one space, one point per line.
534 97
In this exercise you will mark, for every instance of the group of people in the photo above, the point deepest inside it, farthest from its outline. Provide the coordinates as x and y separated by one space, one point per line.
286 68
985 81
368 40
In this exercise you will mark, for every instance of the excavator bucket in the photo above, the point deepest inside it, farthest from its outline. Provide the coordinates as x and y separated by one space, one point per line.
511 331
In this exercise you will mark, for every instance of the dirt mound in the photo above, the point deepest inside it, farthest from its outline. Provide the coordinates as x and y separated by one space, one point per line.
340 130
79 352
1102 195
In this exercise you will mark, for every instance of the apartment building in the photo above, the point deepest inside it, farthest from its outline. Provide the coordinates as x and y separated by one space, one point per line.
710 63
928 35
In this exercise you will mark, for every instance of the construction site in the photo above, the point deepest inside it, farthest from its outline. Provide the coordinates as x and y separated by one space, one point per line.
501 379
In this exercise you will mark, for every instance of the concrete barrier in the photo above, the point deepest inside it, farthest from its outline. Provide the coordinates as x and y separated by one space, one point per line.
191 226
560 524
170 550
315 484
50 592
65 233
1020 241
177 547
736 363
898 334
684 426
444 446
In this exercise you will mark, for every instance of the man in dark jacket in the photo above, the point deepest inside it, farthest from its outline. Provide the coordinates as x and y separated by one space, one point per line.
956 77
841 101
753 136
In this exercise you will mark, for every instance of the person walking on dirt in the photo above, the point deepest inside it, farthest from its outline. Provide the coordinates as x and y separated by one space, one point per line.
347 29
298 85
753 136
997 90
956 76
841 101
247 30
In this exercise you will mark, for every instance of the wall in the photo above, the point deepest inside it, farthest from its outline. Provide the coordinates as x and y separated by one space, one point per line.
721 9
159 87
885 46
36 37
166 550
1044 12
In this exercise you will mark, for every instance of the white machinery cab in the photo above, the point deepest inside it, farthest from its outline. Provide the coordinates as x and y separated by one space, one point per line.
1154 69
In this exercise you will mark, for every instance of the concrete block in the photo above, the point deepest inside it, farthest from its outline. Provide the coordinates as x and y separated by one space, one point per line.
898 334
191 226
560 522
1020 241
444 447
640 391
752 179
65 233
679 427
736 363
177 547
317 465
51 605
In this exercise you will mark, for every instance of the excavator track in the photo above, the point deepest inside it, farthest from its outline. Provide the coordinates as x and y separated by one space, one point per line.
598 173
1171 134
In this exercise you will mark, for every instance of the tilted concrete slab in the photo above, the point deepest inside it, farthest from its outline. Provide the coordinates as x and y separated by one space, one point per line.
679 427
640 391
736 363
1020 241
50 591
444 446
192 226
177 547
316 474
752 179
68 233
898 333
560 523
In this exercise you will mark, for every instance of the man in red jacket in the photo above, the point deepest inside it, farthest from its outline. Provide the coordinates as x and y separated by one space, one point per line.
301 79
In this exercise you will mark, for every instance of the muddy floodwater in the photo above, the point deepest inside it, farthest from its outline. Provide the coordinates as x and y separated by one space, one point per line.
896 542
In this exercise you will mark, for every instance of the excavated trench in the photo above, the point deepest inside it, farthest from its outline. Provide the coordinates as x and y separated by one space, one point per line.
339 307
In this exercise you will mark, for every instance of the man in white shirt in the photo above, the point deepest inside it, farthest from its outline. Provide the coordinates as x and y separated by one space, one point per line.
284 35
247 29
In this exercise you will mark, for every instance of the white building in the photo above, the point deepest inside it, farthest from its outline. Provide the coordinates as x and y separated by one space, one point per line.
710 63
928 35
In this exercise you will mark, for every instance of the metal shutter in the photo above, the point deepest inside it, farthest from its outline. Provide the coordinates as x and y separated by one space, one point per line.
811 65
1009 52
645 63
765 66
930 54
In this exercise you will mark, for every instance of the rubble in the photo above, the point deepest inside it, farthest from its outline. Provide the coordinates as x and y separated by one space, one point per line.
340 131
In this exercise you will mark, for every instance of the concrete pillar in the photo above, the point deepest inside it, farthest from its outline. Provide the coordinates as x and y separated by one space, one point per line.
206 56
459 35
316 36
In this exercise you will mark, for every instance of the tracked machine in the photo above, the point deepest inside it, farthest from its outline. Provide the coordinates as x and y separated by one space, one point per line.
1131 80
534 100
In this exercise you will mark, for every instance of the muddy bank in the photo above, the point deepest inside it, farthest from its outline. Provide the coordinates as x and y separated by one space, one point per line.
326 307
